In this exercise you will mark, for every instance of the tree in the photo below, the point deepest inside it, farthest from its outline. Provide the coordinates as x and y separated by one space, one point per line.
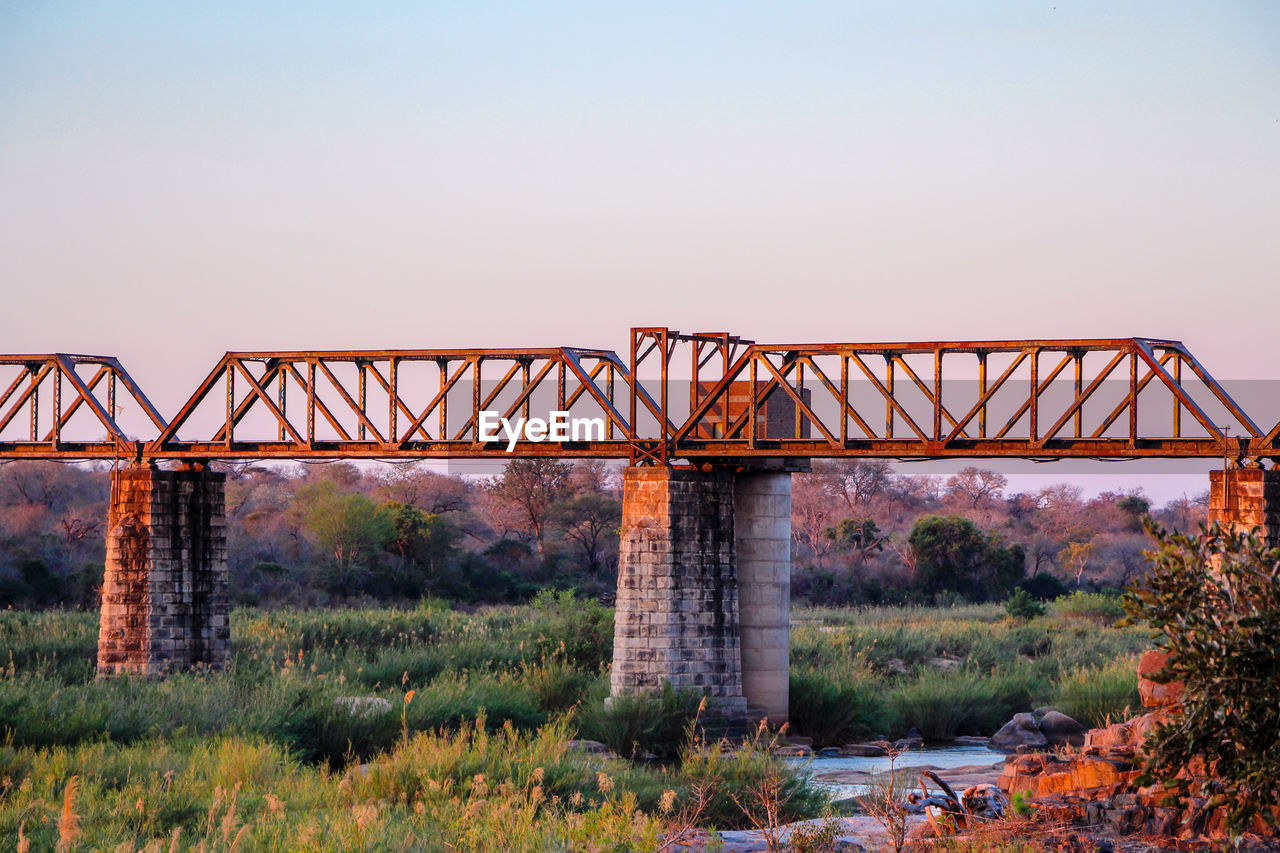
858 481
346 525
532 487
812 512
1214 601
858 537
592 521
953 554
418 538
976 487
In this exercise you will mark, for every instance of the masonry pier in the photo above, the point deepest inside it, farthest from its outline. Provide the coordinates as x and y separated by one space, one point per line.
1246 498
164 592
704 587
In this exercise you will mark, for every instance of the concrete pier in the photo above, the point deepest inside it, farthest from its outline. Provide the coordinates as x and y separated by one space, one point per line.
164 593
762 545
704 587
1247 498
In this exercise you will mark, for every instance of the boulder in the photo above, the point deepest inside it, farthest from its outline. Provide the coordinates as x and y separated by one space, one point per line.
1060 730
865 750
968 740
1021 731
1155 694
792 751
590 747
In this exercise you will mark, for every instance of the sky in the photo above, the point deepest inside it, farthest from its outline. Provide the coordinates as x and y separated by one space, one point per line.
180 180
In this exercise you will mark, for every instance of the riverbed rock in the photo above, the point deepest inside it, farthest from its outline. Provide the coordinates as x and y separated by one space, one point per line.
591 747
1154 694
865 750
1020 732
1060 730
897 666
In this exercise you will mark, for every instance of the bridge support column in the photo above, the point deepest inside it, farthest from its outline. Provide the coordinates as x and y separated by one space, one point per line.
1247 498
704 584
762 540
677 611
164 593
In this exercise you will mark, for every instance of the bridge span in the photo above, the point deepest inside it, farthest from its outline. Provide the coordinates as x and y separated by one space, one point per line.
710 424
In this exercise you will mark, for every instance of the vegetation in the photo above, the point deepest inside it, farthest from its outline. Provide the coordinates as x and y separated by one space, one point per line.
1214 603
341 535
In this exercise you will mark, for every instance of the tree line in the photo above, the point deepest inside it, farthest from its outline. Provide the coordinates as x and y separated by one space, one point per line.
337 533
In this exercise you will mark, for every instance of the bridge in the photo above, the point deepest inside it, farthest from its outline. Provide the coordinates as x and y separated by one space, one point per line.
710 424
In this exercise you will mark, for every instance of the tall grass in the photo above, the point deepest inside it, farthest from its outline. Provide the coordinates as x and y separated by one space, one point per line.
1094 694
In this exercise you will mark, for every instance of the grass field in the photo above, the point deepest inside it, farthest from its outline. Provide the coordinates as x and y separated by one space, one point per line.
471 742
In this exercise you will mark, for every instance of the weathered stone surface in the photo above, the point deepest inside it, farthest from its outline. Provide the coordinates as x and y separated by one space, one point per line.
864 750
1155 694
677 609
1060 730
1021 731
164 592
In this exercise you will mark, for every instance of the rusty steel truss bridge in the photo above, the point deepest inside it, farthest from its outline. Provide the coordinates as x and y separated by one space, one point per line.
703 399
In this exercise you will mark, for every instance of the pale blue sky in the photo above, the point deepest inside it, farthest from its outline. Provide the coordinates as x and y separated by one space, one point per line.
177 181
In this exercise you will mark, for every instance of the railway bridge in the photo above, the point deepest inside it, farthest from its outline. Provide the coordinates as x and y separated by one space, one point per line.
711 427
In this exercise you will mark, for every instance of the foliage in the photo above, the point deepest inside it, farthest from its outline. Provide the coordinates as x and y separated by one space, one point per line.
1104 608
835 711
1094 695
642 724
1214 601
955 555
1020 605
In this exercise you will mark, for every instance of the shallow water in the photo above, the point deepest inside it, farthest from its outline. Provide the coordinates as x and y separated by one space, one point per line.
941 756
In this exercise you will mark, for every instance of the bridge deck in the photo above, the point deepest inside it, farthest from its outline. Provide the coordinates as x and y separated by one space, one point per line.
703 397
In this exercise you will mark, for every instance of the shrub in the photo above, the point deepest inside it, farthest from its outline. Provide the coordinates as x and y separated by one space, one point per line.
1098 607
942 706
632 725
1215 602
1093 694
1020 605
834 709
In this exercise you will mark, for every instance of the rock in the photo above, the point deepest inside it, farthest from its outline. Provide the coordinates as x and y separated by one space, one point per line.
944 664
830 752
1060 730
1153 694
793 751
590 747
363 706
1039 713
1021 731
865 750
897 666
913 734
967 740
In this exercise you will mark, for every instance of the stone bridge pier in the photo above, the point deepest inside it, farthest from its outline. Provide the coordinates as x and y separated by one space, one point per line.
1246 498
704 583
164 592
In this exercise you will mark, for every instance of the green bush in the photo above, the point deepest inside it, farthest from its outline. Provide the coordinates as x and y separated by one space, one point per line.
1096 606
944 705
833 708
1215 602
1094 694
634 725
1020 605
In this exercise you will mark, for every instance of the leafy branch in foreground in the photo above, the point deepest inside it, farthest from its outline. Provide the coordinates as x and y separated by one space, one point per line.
1214 602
